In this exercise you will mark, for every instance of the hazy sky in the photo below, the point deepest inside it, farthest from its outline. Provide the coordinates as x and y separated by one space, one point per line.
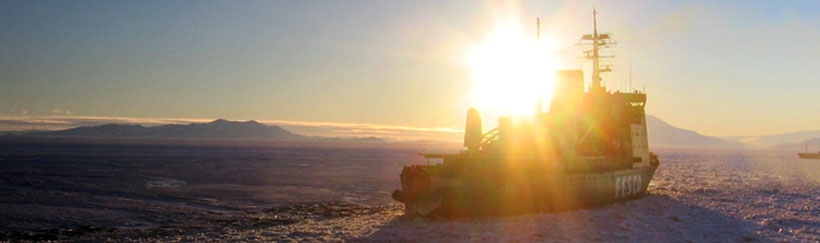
717 67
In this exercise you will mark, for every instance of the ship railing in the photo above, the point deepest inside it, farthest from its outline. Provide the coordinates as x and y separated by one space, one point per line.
489 137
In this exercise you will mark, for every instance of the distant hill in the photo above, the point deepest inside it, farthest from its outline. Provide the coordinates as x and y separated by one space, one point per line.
218 129
812 145
662 134
778 140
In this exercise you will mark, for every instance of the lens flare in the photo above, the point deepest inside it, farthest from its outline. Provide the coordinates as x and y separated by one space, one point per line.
512 71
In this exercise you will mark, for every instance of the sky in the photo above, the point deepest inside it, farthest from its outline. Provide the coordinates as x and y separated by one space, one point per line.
721 68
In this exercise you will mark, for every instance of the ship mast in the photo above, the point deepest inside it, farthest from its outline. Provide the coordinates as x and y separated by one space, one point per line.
538 34
598 42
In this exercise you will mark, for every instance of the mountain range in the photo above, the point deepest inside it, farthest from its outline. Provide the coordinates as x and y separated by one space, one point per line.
808 145
780 140
661 134
218 129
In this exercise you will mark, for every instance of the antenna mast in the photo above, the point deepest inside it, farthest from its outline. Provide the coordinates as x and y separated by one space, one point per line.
538 34
598 42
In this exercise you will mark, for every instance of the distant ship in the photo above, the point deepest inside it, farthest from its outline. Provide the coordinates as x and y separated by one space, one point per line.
808 155
591 148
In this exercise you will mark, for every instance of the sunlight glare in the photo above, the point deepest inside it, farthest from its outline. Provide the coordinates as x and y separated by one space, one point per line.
511 71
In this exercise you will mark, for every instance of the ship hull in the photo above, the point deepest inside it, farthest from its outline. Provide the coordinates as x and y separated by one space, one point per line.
603 188
809 155
548 192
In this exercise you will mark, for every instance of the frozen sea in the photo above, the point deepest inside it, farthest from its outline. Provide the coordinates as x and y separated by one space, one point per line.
165 191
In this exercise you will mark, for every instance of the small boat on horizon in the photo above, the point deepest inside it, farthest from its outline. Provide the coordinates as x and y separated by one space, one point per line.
807 155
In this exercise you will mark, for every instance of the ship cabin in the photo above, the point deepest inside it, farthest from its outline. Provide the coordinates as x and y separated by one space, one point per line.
591 131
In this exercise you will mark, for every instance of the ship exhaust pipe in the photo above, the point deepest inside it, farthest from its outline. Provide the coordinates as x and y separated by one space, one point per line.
472 131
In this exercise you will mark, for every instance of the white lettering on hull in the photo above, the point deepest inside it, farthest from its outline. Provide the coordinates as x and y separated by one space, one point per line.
628 185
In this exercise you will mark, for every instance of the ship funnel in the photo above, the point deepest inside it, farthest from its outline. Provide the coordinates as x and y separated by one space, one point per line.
472 131
568 91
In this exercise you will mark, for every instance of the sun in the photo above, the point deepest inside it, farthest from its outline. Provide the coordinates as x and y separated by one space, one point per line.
512 72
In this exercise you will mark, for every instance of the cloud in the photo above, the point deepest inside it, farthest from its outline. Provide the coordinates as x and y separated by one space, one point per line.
333 129
58 111
17 112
